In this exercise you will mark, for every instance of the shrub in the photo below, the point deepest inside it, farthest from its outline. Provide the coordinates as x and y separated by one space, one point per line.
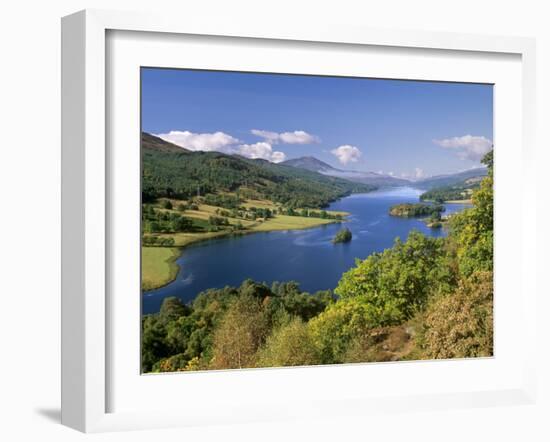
290 345
380 344
397 282
239 335
339 325
460 324
173 363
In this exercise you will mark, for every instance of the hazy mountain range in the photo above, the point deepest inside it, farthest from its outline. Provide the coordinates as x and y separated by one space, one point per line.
314 165
377 179
451 179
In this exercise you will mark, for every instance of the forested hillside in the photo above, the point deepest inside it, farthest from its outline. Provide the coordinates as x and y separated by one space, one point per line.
423 298
169 171
456 192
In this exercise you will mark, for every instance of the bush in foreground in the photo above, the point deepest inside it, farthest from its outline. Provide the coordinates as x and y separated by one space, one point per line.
290 345
460 324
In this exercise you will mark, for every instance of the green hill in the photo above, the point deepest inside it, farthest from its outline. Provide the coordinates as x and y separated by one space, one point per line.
173 172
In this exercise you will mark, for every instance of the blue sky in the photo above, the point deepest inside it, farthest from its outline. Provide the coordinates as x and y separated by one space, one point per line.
411 129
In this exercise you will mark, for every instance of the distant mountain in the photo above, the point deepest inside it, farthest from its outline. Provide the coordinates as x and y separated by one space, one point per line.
465 177
171 171
309 163
371 178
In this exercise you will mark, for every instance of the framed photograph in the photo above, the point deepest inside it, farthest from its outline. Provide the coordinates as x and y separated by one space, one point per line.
280 223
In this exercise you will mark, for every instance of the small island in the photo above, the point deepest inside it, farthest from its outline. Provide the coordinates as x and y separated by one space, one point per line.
342 236
435 221
411 210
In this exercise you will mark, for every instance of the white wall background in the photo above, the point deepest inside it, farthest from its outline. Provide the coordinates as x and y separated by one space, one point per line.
30 213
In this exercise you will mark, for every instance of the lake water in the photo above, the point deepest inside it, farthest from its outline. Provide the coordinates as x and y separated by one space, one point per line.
306 256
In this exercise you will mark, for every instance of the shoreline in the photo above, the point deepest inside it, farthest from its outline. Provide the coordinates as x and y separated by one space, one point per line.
172 267
458 202
202 237
469 201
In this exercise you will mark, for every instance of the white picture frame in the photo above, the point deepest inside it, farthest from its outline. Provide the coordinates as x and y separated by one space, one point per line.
86 316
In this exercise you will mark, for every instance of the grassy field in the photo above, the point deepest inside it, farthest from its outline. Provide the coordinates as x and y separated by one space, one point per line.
284 222
158 266
184 239
279 222
262 204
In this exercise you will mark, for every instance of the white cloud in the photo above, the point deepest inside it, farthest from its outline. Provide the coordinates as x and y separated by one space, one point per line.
346 154
217 141
272 137
222 142
467 147
261 150
418 173
296 137
278 157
